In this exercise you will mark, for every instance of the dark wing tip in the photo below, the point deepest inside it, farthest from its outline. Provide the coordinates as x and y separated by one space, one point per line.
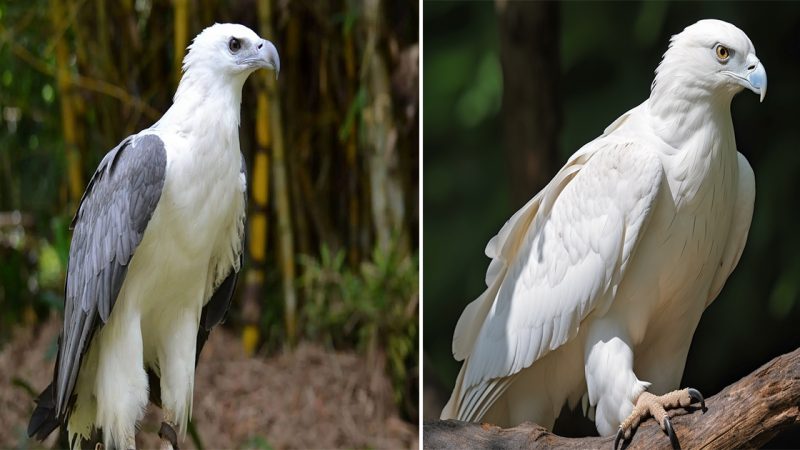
43 420
217 307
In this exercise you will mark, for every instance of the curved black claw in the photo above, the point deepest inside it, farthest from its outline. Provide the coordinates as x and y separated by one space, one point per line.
673 439
168 433
619 436
696 396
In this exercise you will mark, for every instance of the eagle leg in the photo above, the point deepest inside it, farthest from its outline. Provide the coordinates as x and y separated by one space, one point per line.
168 435
649 405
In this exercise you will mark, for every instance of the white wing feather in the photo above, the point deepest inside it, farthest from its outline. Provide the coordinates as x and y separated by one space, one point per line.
554 262
503 246
740 226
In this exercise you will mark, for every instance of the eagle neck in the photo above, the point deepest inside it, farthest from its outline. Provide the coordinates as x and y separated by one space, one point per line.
682 119
206 101
700 155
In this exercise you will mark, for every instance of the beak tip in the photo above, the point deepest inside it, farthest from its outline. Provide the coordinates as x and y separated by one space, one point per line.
756 80
272 58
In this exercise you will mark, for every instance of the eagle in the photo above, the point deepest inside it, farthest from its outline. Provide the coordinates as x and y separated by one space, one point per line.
596 285
154 256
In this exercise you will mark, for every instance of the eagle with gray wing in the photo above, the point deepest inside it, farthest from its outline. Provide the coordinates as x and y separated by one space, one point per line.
155 253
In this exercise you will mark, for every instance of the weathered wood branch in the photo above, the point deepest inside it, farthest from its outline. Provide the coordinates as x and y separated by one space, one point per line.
747 413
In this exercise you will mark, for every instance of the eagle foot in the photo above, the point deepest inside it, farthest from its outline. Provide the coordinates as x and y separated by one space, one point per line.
167 433
649 405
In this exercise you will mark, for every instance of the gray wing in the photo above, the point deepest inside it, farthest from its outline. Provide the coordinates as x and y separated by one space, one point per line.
108 226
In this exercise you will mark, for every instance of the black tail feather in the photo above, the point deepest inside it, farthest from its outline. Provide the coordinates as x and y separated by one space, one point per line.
44 420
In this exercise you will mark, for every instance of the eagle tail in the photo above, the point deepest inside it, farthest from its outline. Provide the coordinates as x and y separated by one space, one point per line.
44 419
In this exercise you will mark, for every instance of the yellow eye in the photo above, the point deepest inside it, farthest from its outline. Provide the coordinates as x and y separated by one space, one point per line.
723 53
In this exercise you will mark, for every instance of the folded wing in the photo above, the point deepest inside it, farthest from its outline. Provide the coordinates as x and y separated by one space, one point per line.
111 220
557 260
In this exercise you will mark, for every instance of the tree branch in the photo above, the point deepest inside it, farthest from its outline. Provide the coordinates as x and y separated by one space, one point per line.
82 81
747 413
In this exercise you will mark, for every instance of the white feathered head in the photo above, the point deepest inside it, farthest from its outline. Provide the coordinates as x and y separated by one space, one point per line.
231 49
708 59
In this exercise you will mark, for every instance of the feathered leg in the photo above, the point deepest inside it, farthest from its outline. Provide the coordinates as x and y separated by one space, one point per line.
610 381
121 383
81 430
619 396
176 360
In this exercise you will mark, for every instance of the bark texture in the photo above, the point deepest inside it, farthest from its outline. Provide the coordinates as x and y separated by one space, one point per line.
745 414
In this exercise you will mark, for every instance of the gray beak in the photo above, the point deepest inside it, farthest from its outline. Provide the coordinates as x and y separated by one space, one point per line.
757 80
268 56
755 77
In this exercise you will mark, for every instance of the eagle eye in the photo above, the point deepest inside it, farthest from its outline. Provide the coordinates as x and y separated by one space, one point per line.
234 45
723 53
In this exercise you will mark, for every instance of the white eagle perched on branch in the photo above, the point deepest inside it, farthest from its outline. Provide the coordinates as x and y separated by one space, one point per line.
597 284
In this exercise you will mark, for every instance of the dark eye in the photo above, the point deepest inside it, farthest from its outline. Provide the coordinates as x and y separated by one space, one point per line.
234 45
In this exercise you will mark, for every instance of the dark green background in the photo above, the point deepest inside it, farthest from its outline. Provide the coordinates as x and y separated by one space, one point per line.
608 53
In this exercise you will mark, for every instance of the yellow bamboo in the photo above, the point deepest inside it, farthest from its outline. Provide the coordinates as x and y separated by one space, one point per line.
181 32
63 78
259 193
280 189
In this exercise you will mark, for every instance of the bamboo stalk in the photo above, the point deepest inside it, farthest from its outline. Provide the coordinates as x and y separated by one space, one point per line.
351 153
299 163
77 80
317 210
300 207
380 137
280 186
181 33
259 225
74 173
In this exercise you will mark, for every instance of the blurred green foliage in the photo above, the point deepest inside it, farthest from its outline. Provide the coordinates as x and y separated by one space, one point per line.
257 443
33 244
608 54
373 308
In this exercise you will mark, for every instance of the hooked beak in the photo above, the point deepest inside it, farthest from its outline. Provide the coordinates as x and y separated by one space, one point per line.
757 80
753 78
266 57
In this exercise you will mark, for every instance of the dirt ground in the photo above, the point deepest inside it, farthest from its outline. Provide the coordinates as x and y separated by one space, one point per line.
309 398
